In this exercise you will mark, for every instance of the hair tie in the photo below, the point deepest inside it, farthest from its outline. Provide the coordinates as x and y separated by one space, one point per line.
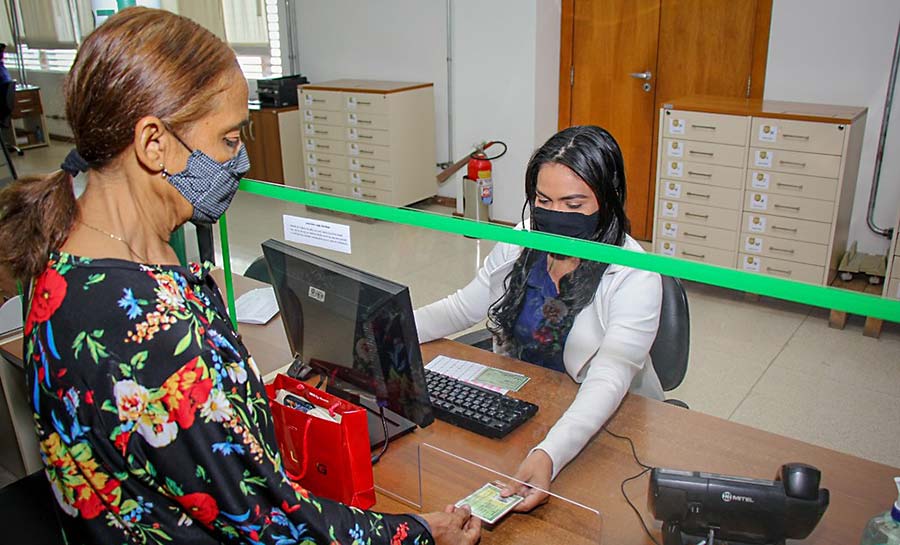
74 163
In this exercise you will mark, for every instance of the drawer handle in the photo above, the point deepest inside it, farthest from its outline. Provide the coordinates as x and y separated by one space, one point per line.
796 136
705 175
318 100
704 127
367 152
702 195
26 111
798 187
368 196
794 208
365 122
365 181
779 271
366 137
703 153
689 254
792 164
702 237
325 175
788 229
783 250
370 167
323 146
320 132
322 117
326 161
363 103
701 216
325 188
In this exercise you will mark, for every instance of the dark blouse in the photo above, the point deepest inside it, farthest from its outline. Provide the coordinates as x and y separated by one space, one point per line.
544 322
153 422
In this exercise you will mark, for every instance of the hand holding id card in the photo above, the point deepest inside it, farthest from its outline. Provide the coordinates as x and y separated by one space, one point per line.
486 503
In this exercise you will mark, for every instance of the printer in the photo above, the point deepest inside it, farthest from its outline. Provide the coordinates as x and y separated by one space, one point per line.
279 92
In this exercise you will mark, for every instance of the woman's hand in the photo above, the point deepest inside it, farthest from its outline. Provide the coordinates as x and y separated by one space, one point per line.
455 526
536 470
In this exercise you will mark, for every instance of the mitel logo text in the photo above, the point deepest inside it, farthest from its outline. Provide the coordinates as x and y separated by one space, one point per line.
728 497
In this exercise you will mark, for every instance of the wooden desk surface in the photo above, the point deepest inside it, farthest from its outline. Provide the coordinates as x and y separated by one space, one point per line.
663 435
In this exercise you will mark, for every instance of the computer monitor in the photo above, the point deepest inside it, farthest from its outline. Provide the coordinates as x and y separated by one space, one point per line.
357 329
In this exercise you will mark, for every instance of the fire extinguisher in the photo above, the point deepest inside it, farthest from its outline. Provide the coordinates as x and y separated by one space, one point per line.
479 170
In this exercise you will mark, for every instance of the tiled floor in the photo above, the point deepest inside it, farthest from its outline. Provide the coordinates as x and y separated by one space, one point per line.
769 364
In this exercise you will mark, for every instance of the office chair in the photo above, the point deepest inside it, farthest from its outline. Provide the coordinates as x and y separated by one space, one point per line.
669 351
258 270
28 512
7 104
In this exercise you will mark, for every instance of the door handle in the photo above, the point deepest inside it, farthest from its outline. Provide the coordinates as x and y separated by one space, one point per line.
642 75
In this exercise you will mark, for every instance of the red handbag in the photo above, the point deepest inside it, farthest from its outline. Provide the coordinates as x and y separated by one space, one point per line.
330 459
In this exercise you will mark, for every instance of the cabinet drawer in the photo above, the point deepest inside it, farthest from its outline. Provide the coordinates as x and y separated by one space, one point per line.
797 135
780 248
795 162
326 174
694 252
368 194
325 159
368 136
366 151
717 128
373 166
326 146
696 234
366 103
705 152
329 187
893 289
321 100
26 98
366 120
781 268
895 268
367 180
788 228
789 207
710 195
323 117
697 214
796 185
703 174
323 131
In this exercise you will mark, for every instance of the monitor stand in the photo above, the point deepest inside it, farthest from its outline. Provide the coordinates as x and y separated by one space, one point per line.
396 424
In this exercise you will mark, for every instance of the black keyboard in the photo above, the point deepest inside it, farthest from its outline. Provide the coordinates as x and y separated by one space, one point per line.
476 409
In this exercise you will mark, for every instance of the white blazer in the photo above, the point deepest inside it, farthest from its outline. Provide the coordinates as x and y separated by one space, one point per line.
607 350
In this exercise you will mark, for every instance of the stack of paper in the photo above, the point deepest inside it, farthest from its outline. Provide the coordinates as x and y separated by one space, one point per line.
489 378
256 306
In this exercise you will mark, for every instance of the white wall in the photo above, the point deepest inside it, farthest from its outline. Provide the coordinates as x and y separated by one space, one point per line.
840 52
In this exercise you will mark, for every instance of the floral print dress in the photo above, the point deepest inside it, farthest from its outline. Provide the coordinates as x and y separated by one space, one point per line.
153 421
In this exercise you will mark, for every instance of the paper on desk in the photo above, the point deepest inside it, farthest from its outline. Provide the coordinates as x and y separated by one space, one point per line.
469 371
256 306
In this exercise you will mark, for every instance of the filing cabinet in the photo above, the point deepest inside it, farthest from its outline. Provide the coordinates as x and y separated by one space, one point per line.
769 183
892 278
370 140
271 138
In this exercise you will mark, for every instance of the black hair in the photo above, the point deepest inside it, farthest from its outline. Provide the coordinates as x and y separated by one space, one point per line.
594 156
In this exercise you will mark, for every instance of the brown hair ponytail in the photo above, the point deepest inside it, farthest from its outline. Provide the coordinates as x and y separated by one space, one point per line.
36 215
139 62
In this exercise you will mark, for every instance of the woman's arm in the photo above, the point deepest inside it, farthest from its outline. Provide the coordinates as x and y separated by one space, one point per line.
633 319
469 305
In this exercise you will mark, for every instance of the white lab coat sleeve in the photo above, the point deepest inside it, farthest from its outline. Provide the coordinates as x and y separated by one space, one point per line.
633 318
469 305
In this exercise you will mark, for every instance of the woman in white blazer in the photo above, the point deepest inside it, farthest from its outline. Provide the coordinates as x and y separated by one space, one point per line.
594 321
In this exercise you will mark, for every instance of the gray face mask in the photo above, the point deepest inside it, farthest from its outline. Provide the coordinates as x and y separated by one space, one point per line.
209 185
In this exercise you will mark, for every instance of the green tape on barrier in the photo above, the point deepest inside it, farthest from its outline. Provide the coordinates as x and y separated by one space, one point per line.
780 288
229 282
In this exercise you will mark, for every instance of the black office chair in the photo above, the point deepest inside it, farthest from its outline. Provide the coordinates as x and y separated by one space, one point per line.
28 512
669 351
258 270
7 104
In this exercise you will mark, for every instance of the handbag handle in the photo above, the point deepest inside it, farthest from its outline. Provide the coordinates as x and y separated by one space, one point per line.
305 463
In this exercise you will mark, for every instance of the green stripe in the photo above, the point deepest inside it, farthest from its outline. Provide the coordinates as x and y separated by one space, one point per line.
229 282
780 288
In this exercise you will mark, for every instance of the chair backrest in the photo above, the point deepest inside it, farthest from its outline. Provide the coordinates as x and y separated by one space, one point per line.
671 348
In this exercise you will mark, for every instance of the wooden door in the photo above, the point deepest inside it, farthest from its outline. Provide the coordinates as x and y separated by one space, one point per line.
709 47
270 135
613 39
251 138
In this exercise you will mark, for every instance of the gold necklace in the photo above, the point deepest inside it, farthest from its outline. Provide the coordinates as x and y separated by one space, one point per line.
115 237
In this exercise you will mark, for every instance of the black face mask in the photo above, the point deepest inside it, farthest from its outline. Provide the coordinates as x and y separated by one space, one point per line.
569 224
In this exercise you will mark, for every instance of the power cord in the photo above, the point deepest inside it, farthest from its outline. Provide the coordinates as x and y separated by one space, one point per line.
644 470
384 426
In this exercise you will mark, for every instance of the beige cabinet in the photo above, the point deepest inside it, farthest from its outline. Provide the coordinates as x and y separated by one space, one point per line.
370 140
763 186
892 278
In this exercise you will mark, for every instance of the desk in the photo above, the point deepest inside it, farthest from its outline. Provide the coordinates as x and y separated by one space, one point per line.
664 435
